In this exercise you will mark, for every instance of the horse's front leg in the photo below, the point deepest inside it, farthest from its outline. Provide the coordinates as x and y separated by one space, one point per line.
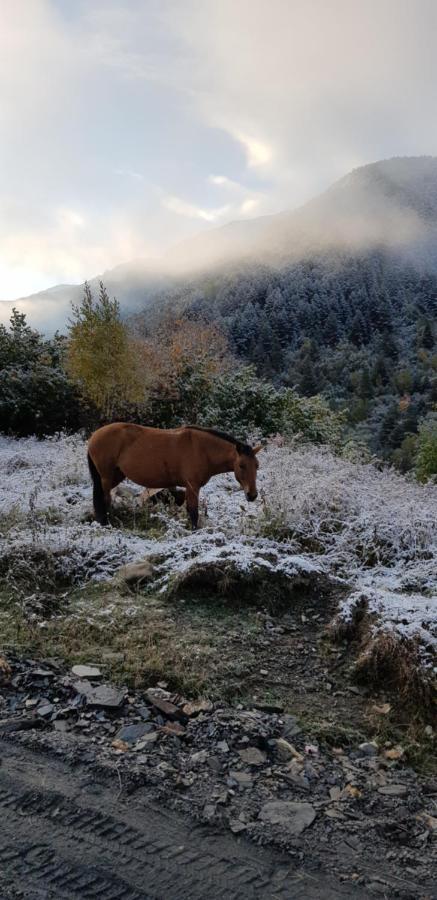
192 499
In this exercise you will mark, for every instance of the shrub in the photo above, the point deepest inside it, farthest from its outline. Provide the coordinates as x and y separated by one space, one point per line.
242 403
426 461
39 400
239 402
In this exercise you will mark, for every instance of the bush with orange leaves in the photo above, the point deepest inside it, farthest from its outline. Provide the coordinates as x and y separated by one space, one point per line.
181 361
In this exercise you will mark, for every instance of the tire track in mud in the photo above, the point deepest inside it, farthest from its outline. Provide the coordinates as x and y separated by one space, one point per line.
61 841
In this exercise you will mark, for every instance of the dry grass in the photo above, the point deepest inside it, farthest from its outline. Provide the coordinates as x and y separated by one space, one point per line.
395 663
136 640
386 660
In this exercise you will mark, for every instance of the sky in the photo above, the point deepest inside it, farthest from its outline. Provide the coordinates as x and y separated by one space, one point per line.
128 126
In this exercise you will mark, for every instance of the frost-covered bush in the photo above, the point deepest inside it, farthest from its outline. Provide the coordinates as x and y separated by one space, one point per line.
375 529
242 403
39 400
36 397
353 513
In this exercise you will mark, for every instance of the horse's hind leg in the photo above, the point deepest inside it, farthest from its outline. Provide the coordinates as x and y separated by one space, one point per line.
117 477
107 487
99 493
192 497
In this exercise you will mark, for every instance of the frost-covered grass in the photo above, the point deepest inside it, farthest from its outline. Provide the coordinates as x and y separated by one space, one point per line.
317 513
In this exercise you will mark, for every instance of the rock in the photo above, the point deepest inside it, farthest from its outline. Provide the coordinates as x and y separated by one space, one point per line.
209 812
105 695
61 725
157 693
297 779
368 748
144 712
89 672
377 887
351 791
293 817
214 764
236 826
120 746
335 793
269 707
132 733
31 702
333 813
252 756
394 790
242 779
168 710
382 710
394 753
286 751
290 727
429 821
145 741
196 707
173 728
223 746
198 758
46 709
136 573
42 673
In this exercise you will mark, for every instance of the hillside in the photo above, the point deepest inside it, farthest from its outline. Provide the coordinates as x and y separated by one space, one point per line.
390 204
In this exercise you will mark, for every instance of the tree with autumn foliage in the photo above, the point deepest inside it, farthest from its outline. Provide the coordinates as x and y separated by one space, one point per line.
182 359
102 358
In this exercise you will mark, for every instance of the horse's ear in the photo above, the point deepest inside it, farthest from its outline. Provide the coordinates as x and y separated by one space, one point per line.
258 448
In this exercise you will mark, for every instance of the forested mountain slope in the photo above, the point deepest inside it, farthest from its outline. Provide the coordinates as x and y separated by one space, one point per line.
342 300
338 297
359 328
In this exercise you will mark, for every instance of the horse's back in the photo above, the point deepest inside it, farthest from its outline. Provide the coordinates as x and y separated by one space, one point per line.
149 456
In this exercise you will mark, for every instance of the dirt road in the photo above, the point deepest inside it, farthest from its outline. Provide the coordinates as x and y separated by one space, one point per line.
62 835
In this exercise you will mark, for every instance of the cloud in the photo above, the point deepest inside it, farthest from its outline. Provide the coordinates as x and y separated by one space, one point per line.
127 173
113 117
258 153
182 208
70 218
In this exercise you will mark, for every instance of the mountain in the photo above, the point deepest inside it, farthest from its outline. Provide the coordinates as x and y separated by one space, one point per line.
390 206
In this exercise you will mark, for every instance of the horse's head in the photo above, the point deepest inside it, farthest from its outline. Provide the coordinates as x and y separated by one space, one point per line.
245 468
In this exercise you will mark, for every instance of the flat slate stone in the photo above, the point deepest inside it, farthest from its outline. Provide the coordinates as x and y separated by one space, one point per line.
243 779
105 695
394 790
86 671
168 710
132 733
252 756
293 817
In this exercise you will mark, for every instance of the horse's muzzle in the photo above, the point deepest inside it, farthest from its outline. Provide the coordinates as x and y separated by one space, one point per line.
252 496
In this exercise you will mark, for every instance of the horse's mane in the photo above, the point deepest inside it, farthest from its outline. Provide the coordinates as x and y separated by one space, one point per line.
246 449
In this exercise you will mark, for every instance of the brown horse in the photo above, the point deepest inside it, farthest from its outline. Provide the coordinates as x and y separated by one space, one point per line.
158 458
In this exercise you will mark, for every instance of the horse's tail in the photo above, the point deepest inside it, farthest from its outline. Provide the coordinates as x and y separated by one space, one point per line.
100 510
